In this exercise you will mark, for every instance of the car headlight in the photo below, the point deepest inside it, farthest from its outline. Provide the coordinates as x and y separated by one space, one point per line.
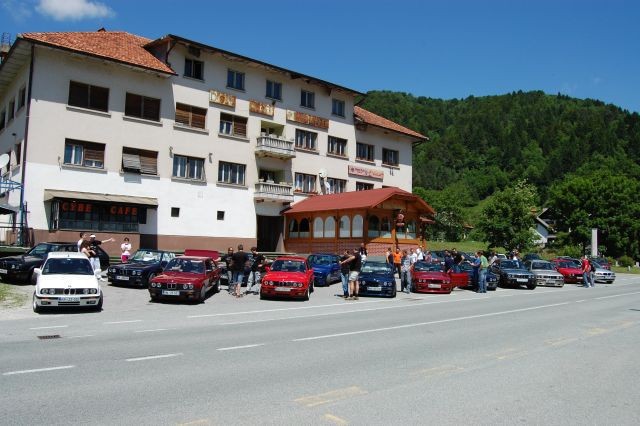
85 290
388 283
14 266
94 291
509 275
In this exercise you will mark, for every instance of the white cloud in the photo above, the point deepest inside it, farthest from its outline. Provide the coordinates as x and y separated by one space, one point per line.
73 10
17 9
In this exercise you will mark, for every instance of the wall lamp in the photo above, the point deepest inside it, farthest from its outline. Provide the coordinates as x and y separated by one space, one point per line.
170 150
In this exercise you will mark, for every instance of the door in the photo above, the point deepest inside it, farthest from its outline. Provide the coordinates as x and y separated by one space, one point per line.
269 232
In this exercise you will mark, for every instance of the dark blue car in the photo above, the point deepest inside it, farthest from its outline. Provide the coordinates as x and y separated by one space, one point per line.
326 268
142 267
376 279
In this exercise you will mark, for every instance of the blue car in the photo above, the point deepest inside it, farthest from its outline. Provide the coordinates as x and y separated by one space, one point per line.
326 268
376 279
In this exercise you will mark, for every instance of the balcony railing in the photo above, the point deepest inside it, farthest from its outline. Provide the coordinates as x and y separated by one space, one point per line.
275 146
268 191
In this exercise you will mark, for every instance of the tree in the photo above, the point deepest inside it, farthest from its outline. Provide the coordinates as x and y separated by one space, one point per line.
507 220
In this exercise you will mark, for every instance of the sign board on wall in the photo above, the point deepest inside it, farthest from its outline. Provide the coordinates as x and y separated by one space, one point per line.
366 172
308 119
222 98
261 108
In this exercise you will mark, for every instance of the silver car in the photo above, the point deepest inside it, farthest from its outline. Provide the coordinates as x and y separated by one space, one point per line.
604 275
545 273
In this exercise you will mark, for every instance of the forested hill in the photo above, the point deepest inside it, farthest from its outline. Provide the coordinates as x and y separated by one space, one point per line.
483 143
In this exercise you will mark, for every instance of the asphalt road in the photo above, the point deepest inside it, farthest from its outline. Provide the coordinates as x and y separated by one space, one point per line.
549 356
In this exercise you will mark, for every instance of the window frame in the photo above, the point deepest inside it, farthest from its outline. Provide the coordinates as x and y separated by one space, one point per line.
338 107
143 101
274 85
190 115
93 101
226 168
235 79
188 168
370 158
386 152
193 66
84 146
305 141
307 99
340 143
308 183
234 122
146 162
342 185
363 186
12 110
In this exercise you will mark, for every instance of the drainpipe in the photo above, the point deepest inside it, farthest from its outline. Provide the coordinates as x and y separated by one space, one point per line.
21 238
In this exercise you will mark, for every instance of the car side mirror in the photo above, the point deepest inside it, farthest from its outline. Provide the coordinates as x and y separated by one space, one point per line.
37 271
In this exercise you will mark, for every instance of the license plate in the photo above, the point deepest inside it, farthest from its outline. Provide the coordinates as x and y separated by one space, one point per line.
284 289
435 286
170 293
122 278
522 280
68 299
3 271
374 288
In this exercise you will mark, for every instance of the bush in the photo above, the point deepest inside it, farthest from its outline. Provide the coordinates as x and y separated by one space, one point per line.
571 251
625 261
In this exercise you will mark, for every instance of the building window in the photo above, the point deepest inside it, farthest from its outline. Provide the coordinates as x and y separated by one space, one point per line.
188 167
139 161
385 228
18 153
329 227
358 223
22 97
3 118
85 154
337 186
304 228
12 110
294 229
389 157
233 125
175 211
220 215
318 228
191 116
305 183
142 107
235 80
374 227
362 186
306 140
345 227
337 146
307 99
87 96
337 107
96 216
231 173
364 152
274 90
194 69
411 228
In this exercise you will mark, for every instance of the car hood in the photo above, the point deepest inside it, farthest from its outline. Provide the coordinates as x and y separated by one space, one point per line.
285 276
516 271
67 281
323 269
134 266
570 270
375 277
431 275
178 278
546 272
22 258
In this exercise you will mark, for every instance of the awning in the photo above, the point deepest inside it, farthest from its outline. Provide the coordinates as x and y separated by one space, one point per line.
8 209
92 196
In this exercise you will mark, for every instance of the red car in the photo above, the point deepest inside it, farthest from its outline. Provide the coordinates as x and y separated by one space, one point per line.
570 271
431 278
188 277
288 276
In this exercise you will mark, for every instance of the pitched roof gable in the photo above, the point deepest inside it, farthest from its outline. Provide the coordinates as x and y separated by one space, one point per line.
375 120
117 46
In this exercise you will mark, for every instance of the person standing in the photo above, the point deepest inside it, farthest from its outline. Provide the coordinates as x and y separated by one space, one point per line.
239 261
448 261
344 273
420 253
389 256
476 263
95 258
125 248
586 271
397 262
363 252
428 257
405 280
228 260
256 268
594 266
413 256
85 248
493 259
83 236
354 271
482 272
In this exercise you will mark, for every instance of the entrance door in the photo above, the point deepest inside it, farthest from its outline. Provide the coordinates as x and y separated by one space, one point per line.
269 231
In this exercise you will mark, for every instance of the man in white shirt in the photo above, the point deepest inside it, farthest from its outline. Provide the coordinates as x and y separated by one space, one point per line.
420 253
413 257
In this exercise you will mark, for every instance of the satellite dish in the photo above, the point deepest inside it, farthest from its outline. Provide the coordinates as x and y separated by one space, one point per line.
4 160
322 173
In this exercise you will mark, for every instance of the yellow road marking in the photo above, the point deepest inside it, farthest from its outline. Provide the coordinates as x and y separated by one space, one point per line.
331 396
597 330
560 341
195 422
335 419
507 353
436 371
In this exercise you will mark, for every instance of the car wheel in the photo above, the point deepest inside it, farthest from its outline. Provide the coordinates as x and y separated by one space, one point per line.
262 296
312 287
306 295
216 287
531 286
394 293
99 305
31 278
149 278
37 309
493 289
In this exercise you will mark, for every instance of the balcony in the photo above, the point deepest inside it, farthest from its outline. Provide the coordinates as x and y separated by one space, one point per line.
275 146
269 191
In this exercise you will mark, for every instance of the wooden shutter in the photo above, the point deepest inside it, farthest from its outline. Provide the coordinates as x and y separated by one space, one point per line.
78 94
133 105
99 98
240 126
149 162
151 109
198 117
130 160
183 114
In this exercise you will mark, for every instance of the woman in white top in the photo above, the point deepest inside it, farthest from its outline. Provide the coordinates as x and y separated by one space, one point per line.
126 250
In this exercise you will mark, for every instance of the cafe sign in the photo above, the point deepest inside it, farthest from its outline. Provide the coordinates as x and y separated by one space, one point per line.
84 207
366 172
222 98
308 119
261 108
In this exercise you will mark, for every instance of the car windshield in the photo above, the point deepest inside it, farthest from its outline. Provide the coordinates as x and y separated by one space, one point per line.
68 266
511 264
192 266
146 256
319 259
566 264
40 250
547 266
282 265
376 268
427 267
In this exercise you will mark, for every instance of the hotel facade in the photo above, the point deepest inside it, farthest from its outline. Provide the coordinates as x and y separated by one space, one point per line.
176 144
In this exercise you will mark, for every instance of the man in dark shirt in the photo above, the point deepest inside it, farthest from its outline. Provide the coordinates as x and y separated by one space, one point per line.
344 272
354 270
238 263
256 268
448 261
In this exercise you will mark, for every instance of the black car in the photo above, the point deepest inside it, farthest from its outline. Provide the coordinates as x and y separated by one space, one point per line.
20 268
491 278
513 273
376 279
141 268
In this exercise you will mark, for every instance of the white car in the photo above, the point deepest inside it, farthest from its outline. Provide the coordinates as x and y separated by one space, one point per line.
604 275
66 279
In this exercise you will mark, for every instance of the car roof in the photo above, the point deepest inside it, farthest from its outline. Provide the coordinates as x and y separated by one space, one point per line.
67 254
298 258
194 257
214 254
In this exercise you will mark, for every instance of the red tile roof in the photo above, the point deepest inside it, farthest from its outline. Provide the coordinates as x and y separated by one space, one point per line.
355 200
117 46
375 120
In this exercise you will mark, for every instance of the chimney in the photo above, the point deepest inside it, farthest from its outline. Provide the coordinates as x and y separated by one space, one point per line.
5 45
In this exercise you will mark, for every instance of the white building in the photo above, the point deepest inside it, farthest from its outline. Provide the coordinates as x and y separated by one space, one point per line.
177 144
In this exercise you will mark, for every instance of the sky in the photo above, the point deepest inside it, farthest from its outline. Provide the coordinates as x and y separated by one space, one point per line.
438 49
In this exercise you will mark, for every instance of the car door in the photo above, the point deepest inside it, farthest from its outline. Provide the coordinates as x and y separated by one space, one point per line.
335 268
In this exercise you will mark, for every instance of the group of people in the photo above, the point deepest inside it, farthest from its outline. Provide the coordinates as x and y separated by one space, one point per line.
350 265
402 261
239 264
88 244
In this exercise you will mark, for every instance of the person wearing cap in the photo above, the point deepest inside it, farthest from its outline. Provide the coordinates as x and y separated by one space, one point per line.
94 258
